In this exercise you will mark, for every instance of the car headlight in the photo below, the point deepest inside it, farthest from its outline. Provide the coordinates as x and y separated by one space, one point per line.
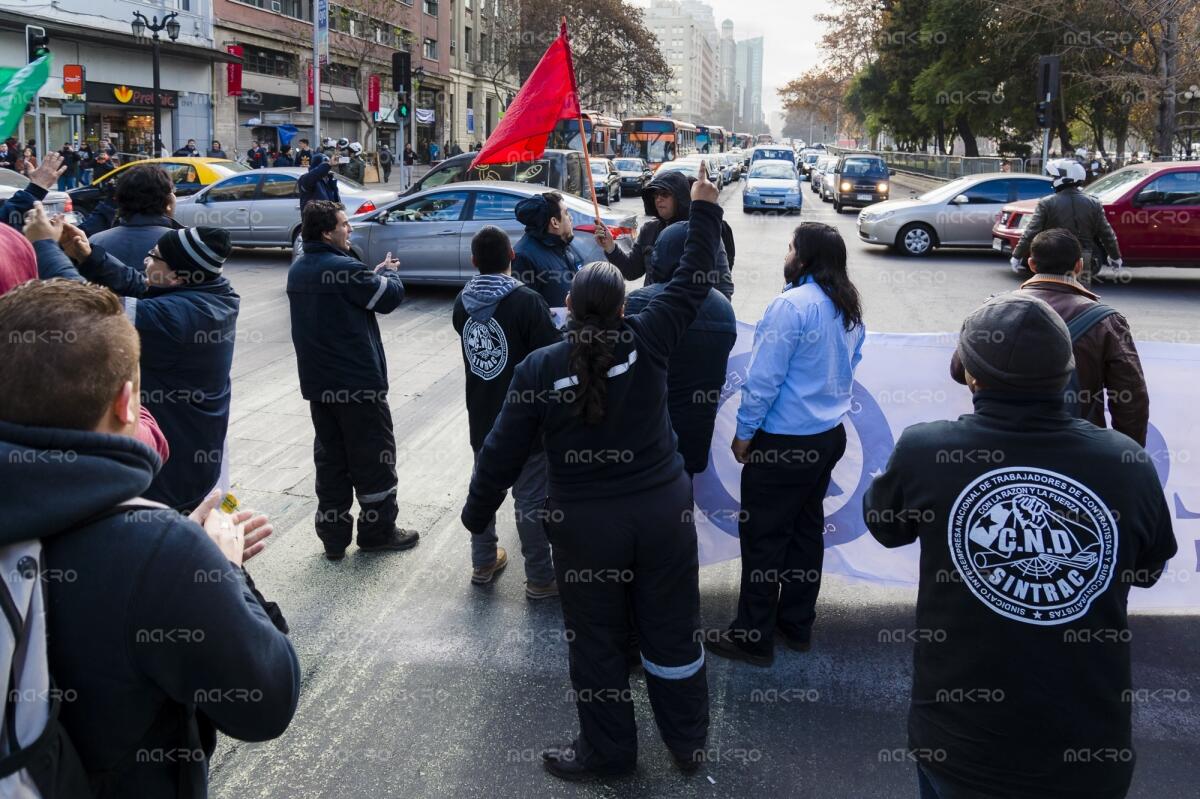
751 190
882 188
881 215
847 186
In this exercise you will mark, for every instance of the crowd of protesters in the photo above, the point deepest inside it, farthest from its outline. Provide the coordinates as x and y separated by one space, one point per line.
116 345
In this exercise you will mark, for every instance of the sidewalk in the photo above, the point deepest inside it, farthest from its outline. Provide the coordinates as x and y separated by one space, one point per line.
418 170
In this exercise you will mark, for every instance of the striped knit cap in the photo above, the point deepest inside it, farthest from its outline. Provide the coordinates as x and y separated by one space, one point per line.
198 252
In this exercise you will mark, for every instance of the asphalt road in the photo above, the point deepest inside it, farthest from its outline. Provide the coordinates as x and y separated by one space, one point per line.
417 684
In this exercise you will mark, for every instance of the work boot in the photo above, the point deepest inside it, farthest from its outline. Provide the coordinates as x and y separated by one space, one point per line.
792 642
541 591
484 574
722 644
563 762
396 540
334 552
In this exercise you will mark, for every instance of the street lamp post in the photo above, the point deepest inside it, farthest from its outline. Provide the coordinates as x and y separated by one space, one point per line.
140 25
1190 97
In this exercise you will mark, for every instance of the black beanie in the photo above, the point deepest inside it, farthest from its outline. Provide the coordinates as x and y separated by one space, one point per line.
1017 343
196 251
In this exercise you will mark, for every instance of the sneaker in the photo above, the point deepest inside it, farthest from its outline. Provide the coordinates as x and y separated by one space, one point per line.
722 645
334 553
536 591
394 541
484 574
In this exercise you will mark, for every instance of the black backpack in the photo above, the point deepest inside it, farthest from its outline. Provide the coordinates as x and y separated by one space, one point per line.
1077 327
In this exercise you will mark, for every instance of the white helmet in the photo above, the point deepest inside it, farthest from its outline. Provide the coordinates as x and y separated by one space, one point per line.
328 142
1066 172
355 148
343 143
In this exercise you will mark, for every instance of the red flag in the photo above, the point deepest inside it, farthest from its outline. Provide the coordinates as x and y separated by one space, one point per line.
547 97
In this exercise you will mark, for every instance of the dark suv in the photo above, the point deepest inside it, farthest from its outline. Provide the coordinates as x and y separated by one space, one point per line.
859 180
563 170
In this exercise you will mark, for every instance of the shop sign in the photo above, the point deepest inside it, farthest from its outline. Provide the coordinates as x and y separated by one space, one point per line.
124 94
72 79
73 108
373 93
233 72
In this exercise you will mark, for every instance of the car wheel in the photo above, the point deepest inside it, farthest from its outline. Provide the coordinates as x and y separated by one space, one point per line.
837 206
915 240
617 198
295 239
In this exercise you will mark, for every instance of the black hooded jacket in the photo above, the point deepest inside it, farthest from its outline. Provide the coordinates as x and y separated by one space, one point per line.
544 262
636 263
1033 526
154 636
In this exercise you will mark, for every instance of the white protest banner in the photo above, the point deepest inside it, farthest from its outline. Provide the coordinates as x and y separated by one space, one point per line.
904 379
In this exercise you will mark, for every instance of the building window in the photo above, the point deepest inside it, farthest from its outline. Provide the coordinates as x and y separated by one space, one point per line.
467 43
431 50
431 7
297 9
484 53
262 61
340 75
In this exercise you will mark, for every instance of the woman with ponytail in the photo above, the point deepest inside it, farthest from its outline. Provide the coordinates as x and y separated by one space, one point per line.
619 513
789 438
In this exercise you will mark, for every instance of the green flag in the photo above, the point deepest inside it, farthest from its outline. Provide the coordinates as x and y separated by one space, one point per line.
18 87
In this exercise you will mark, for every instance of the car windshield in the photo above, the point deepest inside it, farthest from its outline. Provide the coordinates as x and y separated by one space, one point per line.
227 167
864 168
774 155
10 178
599 168
945 192
1112 186
691 170
629 164
772 171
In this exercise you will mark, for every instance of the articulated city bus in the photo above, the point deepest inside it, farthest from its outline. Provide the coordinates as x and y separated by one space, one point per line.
657 140
711 139
743 141
603 134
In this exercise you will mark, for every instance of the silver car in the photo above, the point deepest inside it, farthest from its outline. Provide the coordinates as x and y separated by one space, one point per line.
958 214
431 231
56 202
824 164
261 207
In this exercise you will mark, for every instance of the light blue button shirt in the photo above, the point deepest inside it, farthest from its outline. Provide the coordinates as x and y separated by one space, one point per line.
802 366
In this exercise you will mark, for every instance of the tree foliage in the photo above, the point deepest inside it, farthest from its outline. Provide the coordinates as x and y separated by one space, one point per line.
928 71
617 59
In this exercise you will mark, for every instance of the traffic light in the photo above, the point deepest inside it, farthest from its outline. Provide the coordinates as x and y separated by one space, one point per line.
37 43
401 72
403 110
1043 114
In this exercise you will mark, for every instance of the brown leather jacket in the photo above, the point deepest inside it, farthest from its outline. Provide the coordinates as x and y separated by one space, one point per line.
1106 359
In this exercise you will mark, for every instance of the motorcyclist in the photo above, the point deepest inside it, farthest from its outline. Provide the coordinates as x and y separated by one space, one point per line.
1079 213
355 169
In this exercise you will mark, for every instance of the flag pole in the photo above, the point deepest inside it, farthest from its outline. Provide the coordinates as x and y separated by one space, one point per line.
583 134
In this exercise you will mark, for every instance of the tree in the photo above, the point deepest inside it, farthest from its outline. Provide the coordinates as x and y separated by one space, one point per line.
618 62
362 41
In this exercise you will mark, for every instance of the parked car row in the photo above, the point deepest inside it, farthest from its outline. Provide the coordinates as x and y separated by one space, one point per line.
1153 208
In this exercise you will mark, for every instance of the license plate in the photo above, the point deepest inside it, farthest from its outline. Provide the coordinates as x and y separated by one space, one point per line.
997 244
864 196
772 202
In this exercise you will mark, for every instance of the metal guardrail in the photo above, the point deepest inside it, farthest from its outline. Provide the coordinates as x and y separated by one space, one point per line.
951 167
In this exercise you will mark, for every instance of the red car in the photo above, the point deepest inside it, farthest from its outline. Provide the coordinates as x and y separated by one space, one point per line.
1154 209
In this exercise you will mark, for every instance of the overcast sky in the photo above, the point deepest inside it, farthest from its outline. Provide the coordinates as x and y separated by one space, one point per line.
790 37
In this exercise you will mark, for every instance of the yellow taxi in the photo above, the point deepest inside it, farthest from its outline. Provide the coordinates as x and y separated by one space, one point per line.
190 174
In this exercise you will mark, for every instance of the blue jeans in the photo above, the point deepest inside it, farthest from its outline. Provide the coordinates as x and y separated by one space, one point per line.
529 499
86 178
66 182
